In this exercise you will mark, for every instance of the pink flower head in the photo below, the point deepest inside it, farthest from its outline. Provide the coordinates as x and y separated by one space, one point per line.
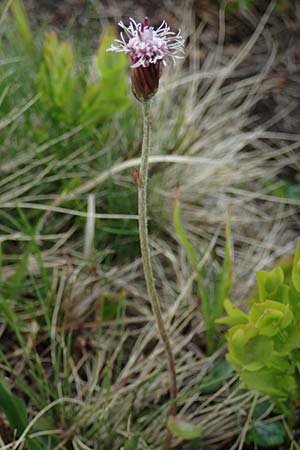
148 48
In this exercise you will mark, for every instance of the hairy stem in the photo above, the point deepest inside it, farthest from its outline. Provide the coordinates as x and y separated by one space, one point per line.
146 257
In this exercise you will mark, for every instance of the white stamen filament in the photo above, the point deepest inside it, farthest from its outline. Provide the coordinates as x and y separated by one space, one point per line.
148 46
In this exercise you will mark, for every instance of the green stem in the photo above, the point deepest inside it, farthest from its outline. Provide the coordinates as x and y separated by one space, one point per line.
146 257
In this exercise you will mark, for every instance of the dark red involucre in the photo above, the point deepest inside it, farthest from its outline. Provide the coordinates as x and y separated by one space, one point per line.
145 81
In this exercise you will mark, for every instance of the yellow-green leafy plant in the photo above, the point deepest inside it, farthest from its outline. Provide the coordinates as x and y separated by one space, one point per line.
264 344
70 99
108 95
57 85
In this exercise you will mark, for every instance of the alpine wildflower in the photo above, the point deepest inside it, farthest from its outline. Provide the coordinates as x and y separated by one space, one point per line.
149 50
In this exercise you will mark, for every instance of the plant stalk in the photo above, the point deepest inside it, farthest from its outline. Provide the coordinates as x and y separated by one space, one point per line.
146 257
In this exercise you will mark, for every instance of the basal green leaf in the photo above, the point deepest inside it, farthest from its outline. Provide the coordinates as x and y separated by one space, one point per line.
293 192
132 443
14 408
221 372
267 435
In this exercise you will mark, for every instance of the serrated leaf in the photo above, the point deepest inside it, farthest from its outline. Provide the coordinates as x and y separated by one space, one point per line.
183 429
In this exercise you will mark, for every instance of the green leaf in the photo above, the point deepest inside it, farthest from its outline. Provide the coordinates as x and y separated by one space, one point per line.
221 372
110 306
235 315
110 63
22 267
25 36
270 317
14 409
280 363
277 385
267 435
34 444
132 443
261 408
101 101
194 444
247 349
108 96
8 312
57 86
294 300
289 339
182 235
225 280
294 192
201 286
269 283
296 268
182 429
246 4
